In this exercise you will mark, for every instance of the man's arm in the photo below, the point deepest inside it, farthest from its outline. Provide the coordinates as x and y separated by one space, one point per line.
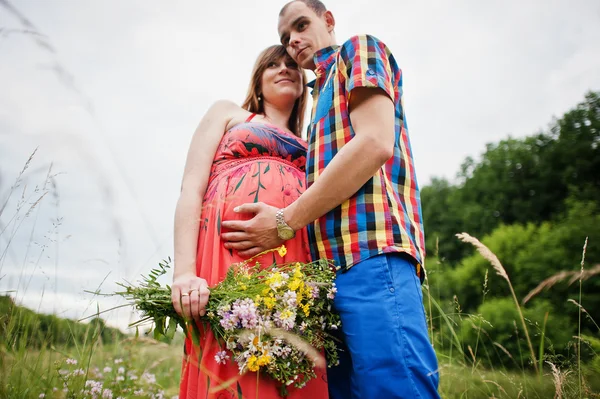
372 115
372 118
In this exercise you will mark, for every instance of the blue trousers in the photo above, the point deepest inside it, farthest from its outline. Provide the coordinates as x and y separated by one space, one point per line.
385 350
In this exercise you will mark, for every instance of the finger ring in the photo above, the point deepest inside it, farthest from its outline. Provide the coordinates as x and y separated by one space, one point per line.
185 294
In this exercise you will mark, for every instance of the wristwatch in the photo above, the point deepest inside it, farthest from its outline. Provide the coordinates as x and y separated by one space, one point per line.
284 231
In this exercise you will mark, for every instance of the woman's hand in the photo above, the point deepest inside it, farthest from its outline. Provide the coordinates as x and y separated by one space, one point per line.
189 294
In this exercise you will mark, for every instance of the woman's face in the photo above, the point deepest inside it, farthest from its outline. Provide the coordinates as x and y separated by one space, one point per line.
282 80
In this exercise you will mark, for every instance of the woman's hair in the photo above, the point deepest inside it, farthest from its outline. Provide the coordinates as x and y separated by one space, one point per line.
273 54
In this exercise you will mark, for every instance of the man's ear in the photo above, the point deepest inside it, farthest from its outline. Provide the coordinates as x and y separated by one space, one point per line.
329 20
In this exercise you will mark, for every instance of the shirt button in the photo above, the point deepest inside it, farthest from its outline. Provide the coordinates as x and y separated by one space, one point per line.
392 289
370 72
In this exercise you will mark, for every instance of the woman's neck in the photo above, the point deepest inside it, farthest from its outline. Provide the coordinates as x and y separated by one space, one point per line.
278 116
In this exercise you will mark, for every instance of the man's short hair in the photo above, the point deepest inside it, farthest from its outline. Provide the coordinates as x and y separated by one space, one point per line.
317 6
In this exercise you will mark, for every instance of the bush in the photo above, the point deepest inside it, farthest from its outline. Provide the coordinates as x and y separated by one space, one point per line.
497 327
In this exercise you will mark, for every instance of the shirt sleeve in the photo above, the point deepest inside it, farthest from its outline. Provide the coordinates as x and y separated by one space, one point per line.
365 61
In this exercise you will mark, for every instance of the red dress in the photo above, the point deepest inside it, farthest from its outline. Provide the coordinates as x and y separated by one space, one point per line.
255 162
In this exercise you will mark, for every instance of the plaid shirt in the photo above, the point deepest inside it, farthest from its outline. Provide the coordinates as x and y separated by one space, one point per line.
384 215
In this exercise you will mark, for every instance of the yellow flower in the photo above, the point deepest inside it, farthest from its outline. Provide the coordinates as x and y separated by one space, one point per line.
269 302
306 309
282 250
294 284
264 360
299 297
307 291
243 287
257 300
297 273
253 363
285 314
274 279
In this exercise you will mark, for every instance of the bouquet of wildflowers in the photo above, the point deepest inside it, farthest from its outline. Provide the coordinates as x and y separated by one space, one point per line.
275 320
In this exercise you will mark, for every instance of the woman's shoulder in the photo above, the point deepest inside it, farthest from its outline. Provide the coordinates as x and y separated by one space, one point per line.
224 107
229 111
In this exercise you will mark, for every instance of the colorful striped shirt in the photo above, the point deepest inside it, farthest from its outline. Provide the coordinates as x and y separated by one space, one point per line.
384 215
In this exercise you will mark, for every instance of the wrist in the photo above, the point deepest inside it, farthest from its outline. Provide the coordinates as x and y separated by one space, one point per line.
188 271
291 218
284 230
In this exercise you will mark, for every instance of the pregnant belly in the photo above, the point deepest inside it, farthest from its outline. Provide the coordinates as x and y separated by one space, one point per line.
274 182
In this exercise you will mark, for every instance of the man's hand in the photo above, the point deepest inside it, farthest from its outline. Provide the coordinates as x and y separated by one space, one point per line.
251 237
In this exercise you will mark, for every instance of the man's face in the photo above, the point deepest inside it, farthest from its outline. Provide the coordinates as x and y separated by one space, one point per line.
303 32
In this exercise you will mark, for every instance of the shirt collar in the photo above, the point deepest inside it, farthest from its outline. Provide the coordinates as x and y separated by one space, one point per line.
323 58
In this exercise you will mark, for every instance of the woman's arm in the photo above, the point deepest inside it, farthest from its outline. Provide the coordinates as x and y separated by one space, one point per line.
200 156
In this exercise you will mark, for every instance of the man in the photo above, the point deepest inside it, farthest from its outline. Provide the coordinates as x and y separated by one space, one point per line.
362 209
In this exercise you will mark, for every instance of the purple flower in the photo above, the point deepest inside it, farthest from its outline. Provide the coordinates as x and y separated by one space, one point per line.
315 290
227 320
289 298
221 357
332 291
245 312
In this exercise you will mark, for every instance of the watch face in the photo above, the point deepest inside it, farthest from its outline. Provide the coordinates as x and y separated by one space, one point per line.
286 234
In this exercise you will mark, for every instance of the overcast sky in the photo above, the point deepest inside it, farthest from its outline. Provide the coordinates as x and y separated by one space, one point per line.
110 92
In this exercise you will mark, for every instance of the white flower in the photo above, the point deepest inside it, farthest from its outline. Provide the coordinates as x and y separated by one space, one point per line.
150 378
117 361
121 370
42 395
71 361
107 369
78 372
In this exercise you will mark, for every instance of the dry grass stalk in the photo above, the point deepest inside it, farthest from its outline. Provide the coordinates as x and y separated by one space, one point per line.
486 253
581 308
496 384
145 341
472 354
493 259
504 350
572 276
559 379
18 180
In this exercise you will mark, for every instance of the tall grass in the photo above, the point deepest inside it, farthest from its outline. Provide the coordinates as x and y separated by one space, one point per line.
34 364
493 259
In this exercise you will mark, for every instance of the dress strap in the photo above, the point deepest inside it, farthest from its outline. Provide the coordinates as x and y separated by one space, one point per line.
250 117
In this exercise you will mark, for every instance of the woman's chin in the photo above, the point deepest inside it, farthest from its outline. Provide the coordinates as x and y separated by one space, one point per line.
286 94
